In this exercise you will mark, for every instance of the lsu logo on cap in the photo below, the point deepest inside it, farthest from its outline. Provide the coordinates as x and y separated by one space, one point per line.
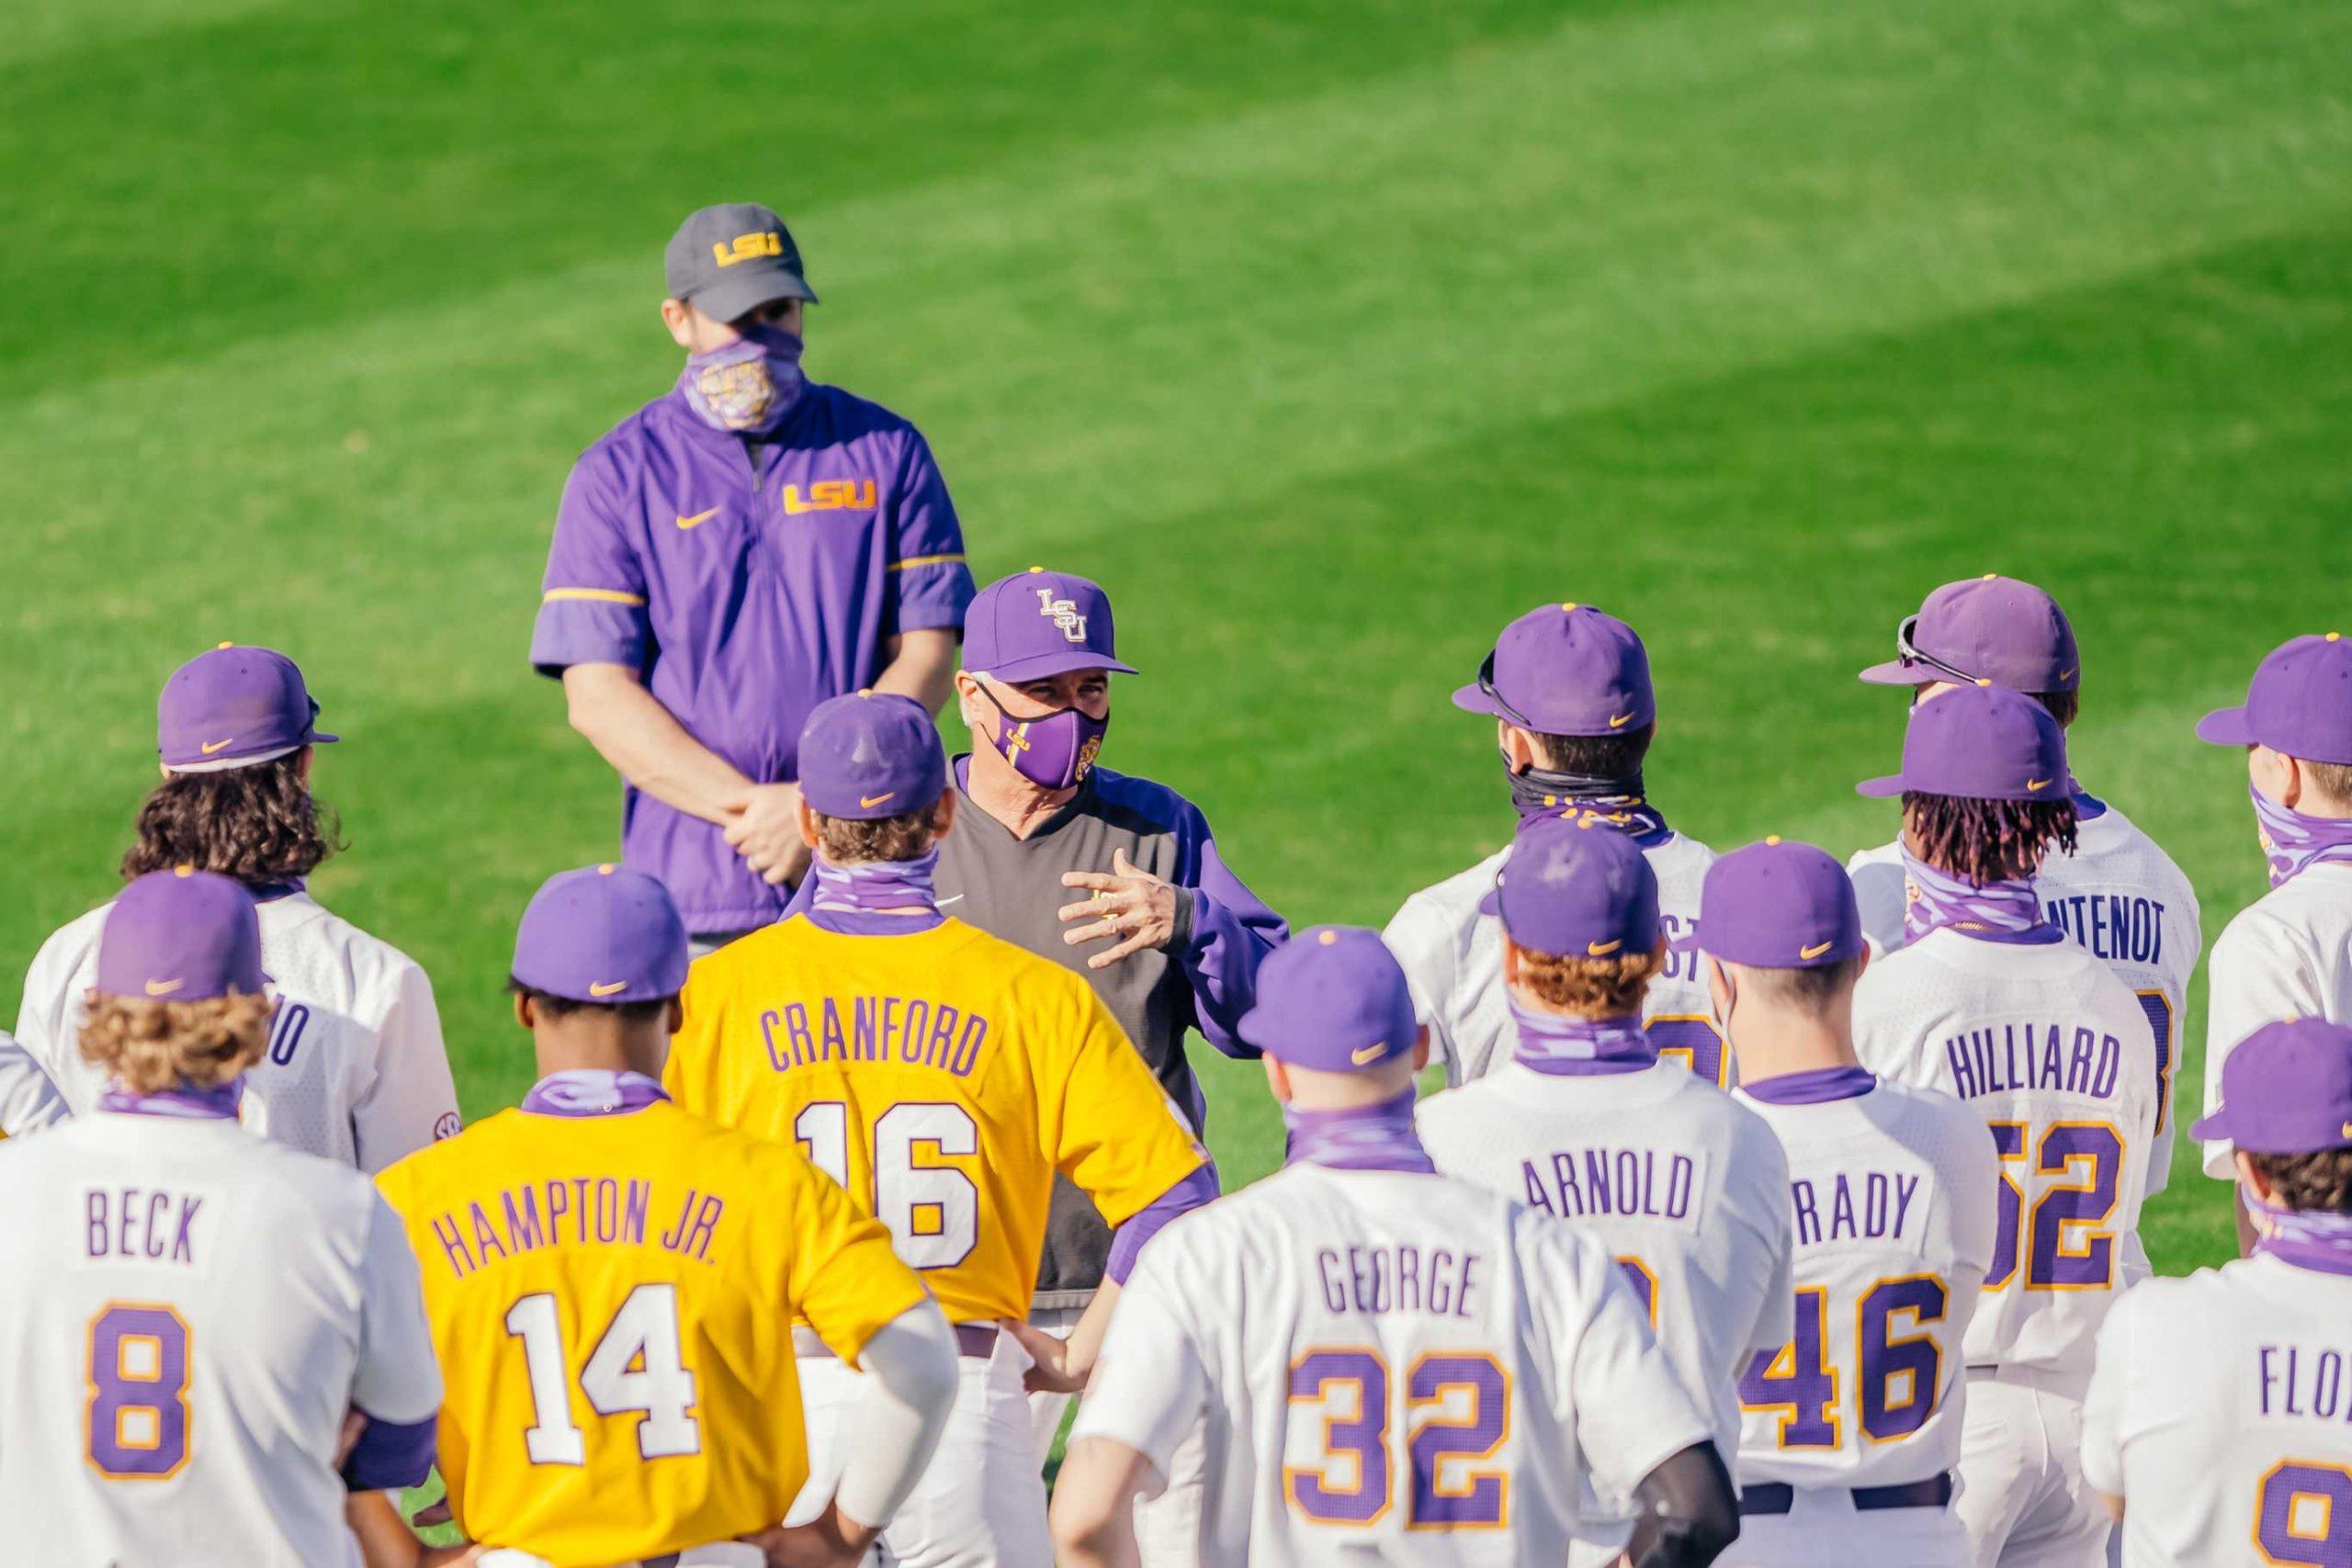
1063 612
748 247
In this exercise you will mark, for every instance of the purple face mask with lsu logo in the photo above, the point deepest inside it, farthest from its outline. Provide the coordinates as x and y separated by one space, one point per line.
1052 752
749 386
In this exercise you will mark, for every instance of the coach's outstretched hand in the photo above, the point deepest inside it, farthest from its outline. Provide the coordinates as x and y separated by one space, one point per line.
1130 902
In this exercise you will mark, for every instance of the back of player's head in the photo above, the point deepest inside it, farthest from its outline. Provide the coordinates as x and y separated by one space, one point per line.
2299 704
234 728
1332 1001
601 936
179 1000
2286 1103
1989 629
1580 909
1577 681
1984 784
1782 917
873 772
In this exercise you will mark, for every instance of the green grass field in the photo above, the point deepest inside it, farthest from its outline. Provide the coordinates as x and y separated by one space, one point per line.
1328 334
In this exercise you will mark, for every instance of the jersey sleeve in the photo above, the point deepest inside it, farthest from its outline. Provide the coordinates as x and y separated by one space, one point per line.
593 598
1425 947
840 1272
397 1379
44 1011
29 1101
412 1102
1879 891
2104 1413
1776 1315
1110 1127
2254 978
1149 1381
930 584
1611 1378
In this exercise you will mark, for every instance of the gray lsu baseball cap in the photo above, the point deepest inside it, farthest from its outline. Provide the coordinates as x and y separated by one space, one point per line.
733 258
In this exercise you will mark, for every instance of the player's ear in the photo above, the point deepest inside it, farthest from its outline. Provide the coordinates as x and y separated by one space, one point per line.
943 815
1277 1080
806 816
674 1015
1518 754
1421 1048
2252 1179
302 766
679 317
525 1013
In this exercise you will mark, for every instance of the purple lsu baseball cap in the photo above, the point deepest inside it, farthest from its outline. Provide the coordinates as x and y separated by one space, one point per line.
2285 1089
1564 670
1575 890
231 708
1779 905
1984 628
870 755
2300 701
1332 999
603 934
182 935
1980 742
1040 623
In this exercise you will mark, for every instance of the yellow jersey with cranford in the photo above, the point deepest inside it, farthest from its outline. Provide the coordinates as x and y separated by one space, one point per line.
943 1076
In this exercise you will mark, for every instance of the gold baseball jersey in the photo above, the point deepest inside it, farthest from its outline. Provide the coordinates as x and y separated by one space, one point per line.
612 1297
943 1076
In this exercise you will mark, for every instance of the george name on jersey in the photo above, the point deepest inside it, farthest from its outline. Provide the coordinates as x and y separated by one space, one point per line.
2305 1382
2049 1057
913 1030
1435 1281
1614 1183
583 1211
1869 1205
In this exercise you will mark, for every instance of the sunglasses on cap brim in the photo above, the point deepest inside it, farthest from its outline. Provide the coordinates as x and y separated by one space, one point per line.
1910 653
1487 689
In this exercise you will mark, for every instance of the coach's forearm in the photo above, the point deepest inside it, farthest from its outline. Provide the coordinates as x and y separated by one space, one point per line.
922 666
647 745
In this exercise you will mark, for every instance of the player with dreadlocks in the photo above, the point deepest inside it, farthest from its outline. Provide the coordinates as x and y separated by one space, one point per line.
1990 1001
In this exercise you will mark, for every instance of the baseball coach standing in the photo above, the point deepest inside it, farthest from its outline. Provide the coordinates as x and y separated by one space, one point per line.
739 549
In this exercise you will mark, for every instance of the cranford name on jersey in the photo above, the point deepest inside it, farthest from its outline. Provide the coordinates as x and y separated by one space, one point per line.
916 1031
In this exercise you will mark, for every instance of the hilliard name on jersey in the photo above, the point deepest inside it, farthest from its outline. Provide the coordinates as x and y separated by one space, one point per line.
602 1210
1617 1184
2053 1058
1863 1205
1435 1281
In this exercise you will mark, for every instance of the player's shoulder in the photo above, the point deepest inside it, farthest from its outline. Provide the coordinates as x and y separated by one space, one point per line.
1888 853
1146 805
372 964
2283 919
1679 854
844 416
70 945
1455 899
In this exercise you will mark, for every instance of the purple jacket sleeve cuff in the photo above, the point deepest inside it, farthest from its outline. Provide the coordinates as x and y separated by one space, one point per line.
587 631
1231 932
1126 1243
390 1455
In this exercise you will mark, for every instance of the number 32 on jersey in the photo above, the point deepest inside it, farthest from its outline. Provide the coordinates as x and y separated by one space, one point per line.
1455 1417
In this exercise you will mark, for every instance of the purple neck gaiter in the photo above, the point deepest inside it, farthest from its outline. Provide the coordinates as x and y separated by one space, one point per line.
2294 840
1998 911
2300 1236
185 1104
1372 1137
591 1091
1580 1046
877 884
750 385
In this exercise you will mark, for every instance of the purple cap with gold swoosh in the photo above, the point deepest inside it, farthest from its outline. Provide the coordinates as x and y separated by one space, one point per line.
602 934
1332 999
1779 905
1984 628
233 706
870 755
1574 889
1564 670
2300 703
2285 1089
1980 742
182 935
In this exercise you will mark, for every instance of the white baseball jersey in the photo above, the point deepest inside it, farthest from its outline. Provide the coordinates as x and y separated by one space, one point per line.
2221 1414
2118 895
1452 957
1682 1185
356 1071
2050 1049
187 1315
29 1101
2288 954
1386 1367
1892 1191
